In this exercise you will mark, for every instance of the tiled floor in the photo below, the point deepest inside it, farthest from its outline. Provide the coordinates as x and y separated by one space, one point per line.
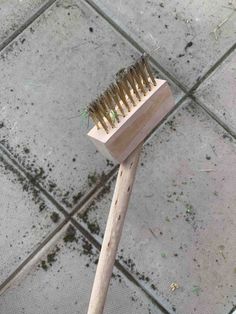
56 56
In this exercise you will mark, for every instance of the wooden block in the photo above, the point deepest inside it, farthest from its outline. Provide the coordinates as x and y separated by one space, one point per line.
136 125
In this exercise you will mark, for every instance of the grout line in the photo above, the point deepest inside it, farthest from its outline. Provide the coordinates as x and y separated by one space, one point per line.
92 193
27 23
134 43
214 116
90 196
118 265
34 182
169 115
158 67
212 69
139 284
233 310
153 61
34 256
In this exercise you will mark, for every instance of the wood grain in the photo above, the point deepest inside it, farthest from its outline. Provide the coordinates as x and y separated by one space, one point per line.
115 222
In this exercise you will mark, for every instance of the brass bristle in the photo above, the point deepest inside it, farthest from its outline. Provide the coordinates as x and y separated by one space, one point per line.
122 94
98 114
143 73
136 74
132 83
126 87
93 116
130 86
110 103
147 66
105 110
115 96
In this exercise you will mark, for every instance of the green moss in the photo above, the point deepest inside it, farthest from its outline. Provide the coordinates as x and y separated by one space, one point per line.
92 178
51 257
55 217
189 208
92 226
44 265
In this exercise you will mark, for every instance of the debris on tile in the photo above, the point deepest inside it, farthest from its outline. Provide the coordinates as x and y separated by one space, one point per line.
206 170
221 249
174 286
44 265
217 29
188 45
196 290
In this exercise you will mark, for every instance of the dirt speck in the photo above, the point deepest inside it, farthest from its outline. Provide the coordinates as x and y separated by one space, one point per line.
26 150
188 45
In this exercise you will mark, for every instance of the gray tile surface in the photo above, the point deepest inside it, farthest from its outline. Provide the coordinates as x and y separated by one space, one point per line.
180 227
49 75
64 287
25 219
218 92
182 30
181 223
14 13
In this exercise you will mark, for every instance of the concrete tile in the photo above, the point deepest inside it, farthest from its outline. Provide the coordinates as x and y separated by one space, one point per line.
14 13
55 68
26 218
182 30
181 223
63 286
218 92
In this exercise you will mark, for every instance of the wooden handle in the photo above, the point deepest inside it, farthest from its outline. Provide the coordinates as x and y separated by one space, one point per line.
115 222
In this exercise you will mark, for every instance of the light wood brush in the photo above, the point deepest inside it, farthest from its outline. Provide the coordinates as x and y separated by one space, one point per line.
124 115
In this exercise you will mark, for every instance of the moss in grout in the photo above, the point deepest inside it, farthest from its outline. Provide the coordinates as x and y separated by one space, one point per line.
70 234
92 226
87 247
92 178
26 184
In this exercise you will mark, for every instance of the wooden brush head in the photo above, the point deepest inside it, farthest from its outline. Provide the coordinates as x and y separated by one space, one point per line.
129 110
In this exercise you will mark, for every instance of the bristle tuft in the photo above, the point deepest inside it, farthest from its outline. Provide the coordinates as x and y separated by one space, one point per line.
131 85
